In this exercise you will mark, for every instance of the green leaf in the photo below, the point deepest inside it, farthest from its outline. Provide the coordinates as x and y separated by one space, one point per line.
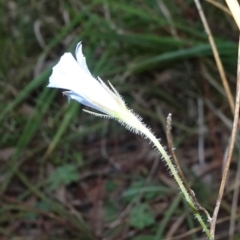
149 192
141 216
111 212
65 175
110 186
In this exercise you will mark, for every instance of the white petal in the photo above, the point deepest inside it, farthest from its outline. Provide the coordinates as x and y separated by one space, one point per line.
75 76
65 73
81 59
81 99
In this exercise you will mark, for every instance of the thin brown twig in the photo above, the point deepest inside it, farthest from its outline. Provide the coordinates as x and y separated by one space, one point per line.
230 151
235 9
216 55
180 173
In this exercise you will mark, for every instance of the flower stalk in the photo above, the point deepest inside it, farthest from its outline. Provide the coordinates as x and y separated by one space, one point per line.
145 131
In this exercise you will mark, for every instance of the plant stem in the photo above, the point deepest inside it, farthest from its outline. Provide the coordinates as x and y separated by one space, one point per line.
142 128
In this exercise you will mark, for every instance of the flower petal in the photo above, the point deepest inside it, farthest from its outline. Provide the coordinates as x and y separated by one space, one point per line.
81 99
81 59
74 76
66 73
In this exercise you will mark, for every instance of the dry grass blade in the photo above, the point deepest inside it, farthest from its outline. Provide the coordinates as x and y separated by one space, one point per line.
230 151
220 6
235 10
216 55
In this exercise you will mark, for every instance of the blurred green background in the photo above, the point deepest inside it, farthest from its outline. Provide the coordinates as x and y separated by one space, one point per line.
68 175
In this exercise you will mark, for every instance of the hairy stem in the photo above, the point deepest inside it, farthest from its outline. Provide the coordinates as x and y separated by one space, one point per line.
136 123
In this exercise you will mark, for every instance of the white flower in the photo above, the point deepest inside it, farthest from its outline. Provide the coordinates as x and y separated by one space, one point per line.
73 74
